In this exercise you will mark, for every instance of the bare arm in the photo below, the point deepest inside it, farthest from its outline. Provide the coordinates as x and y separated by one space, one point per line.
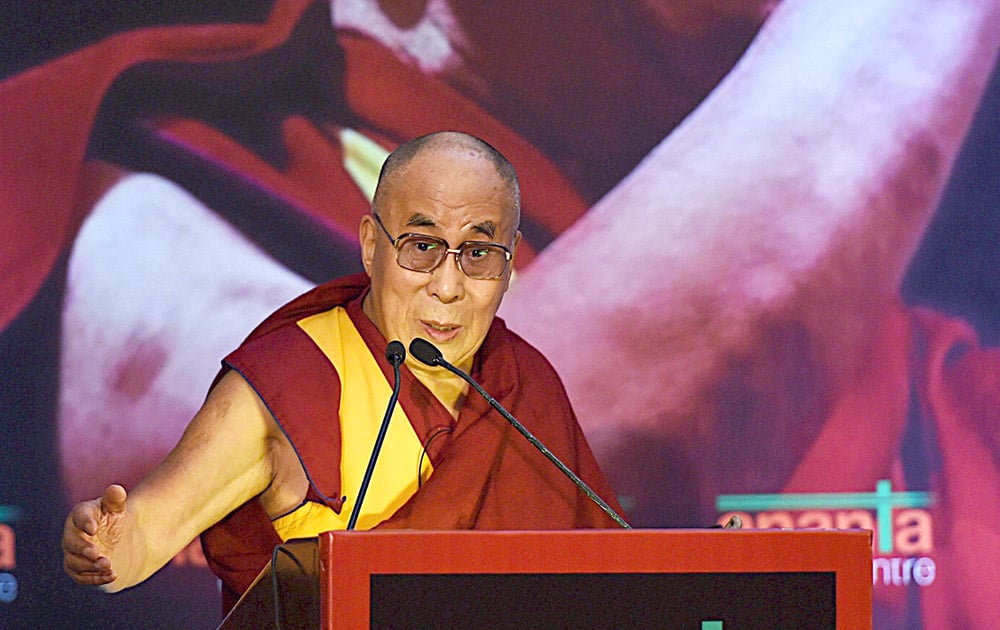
223 459
798 188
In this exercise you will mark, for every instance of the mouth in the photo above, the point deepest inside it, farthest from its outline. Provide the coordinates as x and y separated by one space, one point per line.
440 332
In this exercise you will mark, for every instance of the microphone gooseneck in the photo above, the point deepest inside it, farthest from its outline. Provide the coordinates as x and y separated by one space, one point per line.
427 353
395 354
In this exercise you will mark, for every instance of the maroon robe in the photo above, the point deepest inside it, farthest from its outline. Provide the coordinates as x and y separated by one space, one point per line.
486 475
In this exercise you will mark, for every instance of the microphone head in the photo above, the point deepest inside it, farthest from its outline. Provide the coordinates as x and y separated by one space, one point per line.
425 352
395 353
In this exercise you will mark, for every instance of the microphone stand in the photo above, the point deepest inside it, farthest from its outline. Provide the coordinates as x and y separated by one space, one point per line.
437 359
395 353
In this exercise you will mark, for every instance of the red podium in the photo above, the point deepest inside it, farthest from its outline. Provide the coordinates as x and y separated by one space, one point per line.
699 579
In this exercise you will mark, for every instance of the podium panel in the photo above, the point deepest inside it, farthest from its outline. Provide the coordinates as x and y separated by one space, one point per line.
605 600
698 579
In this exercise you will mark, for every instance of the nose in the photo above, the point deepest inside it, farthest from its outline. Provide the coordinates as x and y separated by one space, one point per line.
447 282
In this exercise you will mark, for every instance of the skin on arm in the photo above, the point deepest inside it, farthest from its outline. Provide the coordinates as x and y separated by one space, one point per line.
231 452
776 220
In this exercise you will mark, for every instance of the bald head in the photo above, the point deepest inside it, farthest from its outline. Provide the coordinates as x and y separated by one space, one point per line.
400 159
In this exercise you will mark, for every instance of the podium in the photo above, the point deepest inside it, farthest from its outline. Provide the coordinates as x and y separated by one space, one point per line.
689 579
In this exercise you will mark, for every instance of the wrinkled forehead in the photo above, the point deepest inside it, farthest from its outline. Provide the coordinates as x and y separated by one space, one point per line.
449 182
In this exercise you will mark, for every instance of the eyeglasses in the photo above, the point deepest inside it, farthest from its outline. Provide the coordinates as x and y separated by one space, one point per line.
477 259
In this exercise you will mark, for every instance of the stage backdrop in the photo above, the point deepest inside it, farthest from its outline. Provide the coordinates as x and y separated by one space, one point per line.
760 246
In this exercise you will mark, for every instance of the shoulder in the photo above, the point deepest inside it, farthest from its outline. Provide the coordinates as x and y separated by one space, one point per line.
524 355
512 365
338 292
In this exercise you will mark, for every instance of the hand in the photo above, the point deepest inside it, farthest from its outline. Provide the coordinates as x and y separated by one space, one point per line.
92 531
734 522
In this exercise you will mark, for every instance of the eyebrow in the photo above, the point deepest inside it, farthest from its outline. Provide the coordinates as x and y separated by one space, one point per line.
486 228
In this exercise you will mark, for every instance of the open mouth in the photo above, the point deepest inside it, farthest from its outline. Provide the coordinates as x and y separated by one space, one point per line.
439 331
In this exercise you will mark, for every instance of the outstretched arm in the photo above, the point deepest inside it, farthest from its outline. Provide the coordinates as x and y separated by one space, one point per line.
224 458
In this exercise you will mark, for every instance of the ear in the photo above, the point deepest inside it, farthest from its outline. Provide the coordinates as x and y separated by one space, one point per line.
367 235
513 256
513 248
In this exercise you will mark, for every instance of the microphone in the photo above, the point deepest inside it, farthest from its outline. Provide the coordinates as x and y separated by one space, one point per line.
395 353
427 353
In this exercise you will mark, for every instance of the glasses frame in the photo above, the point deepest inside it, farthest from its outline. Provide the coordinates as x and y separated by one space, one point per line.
447 250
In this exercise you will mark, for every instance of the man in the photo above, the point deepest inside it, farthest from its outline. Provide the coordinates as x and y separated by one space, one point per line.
306 388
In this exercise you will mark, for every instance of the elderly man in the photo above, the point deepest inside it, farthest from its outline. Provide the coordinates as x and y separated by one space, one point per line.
279 447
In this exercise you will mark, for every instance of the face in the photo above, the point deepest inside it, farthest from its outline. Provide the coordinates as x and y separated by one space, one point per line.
457 196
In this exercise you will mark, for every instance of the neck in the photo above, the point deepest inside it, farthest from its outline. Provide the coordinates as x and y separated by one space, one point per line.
448 388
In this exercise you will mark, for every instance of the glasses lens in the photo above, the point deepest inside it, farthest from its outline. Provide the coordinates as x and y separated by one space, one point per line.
420 253
480 261
483 261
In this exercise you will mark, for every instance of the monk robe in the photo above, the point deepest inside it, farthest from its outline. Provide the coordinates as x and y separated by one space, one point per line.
302 361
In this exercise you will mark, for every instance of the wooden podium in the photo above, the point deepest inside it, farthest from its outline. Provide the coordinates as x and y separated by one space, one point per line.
688 579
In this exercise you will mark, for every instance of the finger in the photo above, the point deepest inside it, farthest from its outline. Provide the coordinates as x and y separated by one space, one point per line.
76 545
80 546
77 565
95 578
84 517
79 531
113 501
84 549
